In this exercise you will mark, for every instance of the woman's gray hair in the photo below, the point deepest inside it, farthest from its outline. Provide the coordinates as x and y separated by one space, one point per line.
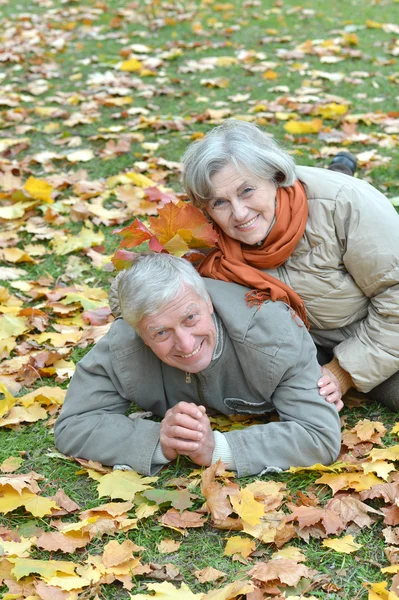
152 282
238 143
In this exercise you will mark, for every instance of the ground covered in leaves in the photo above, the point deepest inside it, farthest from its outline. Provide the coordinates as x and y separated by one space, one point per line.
98 100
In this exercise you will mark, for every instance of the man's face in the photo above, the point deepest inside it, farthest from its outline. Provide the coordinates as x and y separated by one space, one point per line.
183 334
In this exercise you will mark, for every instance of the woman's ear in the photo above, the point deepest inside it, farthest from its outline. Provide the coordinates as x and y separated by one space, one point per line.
207 215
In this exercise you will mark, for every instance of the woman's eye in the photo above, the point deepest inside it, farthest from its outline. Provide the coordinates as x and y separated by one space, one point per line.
248 190
217 203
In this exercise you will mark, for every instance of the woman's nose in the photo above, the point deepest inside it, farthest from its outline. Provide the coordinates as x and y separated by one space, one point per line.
239 210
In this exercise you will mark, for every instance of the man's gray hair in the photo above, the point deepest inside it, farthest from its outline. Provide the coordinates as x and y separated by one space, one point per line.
238 143
152 282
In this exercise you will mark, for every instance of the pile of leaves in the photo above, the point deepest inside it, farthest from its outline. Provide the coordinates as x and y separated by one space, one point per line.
97 103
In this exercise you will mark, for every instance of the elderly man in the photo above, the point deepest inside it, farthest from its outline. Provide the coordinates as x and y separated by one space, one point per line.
187 346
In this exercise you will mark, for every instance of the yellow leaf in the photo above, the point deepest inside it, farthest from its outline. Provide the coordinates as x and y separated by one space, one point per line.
8 402
39 189
83 155
16 255
167 591
123 484
131 65
20 549
331 111
45 395
269 74
11 464
391 453
298 127
15 211
247 507
239 545
345 481
334 468
395 428
346 544
378 591
68 582
146 510
290 552
139 180
232 590
12 326
226 61
20 414
63 244
381 468
46 568
167 546
176 246
36 505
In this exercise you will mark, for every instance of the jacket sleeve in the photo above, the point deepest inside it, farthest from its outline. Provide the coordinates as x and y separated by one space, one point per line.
367 226
92 423
309 428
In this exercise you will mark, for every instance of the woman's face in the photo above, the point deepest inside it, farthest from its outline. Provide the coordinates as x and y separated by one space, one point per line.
243 205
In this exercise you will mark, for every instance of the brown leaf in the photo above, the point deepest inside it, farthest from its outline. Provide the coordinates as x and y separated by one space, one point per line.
350 509
56 541
208 574
173 518
114 553
280 570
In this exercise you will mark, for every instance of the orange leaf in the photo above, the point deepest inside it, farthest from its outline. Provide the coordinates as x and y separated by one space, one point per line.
185 220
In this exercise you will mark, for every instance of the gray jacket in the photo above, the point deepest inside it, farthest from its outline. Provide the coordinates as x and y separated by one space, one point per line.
264 360
346 269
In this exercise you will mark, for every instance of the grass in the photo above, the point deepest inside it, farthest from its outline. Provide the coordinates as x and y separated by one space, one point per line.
79 43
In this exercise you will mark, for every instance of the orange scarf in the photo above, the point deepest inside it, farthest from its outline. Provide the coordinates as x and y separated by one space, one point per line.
231 261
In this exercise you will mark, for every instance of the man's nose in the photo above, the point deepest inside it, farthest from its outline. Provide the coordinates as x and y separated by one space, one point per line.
184 341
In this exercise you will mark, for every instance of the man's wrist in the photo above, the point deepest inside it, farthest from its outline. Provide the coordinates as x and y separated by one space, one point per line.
223 451
158 457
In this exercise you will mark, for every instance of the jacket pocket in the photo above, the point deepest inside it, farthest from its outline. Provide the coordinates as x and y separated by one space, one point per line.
240 406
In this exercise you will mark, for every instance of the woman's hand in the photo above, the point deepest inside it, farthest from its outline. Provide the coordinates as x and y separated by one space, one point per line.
330 389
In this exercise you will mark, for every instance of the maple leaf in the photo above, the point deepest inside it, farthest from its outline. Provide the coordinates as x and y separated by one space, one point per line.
185 220
168 545
239 545
311 515
208 574
345 481
123 484
346 544
39 189
167 591
280 569
56 541
247 507
46 568
133 235
173 518
232 590
180 499
115 553
11 464
350 509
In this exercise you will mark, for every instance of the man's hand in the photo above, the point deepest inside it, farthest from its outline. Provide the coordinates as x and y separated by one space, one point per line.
203 456
185 429
330 388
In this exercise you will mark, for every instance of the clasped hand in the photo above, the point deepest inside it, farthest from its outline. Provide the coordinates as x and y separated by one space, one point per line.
186 429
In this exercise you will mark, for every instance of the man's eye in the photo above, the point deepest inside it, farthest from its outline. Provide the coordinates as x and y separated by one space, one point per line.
160 333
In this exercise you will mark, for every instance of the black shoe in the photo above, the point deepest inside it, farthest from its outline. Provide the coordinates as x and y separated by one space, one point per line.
344 162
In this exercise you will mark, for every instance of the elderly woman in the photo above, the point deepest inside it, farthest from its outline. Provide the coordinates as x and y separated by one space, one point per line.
325 243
